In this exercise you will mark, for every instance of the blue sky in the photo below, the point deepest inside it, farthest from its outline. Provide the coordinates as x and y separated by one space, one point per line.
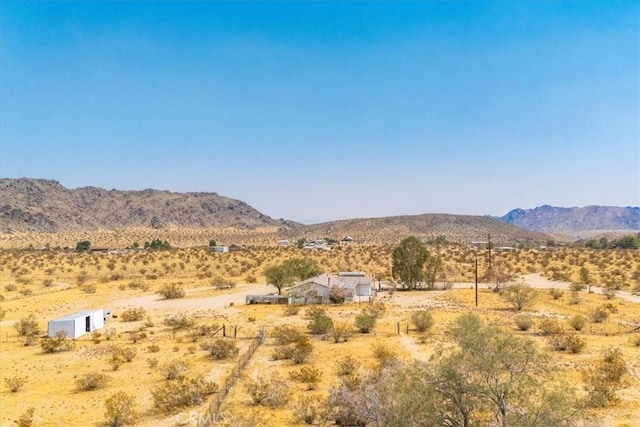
326 110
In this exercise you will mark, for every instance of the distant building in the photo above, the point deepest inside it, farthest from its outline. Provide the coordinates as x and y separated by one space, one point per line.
77 324
283 242
354 285
222 249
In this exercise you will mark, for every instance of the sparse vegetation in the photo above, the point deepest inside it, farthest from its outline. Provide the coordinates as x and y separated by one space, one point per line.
121 409
268 391
172 291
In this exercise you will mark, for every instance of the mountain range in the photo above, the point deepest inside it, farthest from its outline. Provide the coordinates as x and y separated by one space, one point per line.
37 205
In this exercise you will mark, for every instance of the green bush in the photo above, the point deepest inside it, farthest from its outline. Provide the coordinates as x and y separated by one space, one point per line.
422 320
365 322
179 321
348 365
320 325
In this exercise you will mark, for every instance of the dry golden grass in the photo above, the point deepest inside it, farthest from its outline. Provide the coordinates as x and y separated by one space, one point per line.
131 280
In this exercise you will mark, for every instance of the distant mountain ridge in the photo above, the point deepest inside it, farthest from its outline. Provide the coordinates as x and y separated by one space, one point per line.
45 205
550 219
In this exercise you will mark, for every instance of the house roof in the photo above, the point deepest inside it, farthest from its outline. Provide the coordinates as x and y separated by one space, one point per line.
77 315
347 280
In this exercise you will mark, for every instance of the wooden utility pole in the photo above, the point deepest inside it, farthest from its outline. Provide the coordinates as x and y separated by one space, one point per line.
489 247
476 282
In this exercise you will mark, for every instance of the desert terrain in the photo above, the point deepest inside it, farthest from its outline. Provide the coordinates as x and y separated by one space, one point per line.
47 284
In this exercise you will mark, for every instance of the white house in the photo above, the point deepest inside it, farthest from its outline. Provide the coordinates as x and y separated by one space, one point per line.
317 289
223 249
77 324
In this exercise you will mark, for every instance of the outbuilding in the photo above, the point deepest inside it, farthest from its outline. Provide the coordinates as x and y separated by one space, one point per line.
77 324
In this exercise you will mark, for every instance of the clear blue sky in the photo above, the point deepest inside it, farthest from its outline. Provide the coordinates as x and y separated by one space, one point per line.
327 110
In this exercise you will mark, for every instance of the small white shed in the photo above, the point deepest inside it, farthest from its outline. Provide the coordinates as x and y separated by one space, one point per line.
221 249
77 324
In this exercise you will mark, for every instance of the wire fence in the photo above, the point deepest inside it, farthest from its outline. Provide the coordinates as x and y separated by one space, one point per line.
212 415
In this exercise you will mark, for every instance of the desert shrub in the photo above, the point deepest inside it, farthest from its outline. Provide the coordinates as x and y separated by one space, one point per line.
172 291
376 309
15 383
301 350
272 391
555 293
152 362
577 287
609 293
55 344
10 287
179 321
172 395
599 314
577 322
89 288
223 349
605 378
292 309
422 320
307 375
47 283
250 278
222 283
308 410
347 365
575 298
635 340
133 314
121 409
153 348
96 337
128 354
567 342
26 418
174 369
313 312
340 330
549 326
282 353
519 295
384 356
365 322
575 344
286 334
138 284
27 327
320 324
91 381
524 322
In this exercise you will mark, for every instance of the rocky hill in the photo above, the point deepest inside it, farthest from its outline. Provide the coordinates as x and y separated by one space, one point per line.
45 205
455 228
574 220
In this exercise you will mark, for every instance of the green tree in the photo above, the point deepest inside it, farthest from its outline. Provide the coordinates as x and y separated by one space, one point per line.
212 243
302 268
83 245
278 275
408 260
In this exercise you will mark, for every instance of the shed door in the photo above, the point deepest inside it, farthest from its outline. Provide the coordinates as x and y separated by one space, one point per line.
87 324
